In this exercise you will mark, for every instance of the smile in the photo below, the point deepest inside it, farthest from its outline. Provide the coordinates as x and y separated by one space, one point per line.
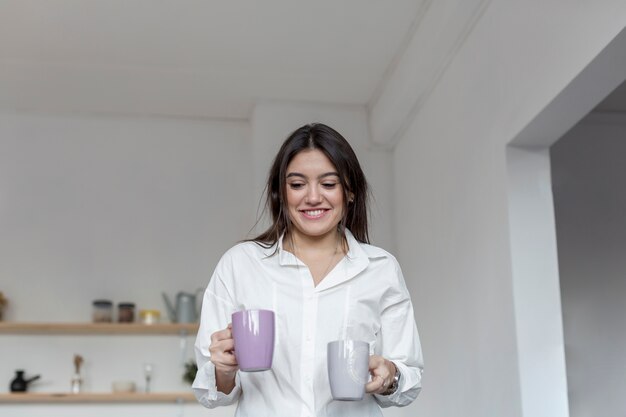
314 214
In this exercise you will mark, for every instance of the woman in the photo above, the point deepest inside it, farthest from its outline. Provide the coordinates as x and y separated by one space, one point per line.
315 269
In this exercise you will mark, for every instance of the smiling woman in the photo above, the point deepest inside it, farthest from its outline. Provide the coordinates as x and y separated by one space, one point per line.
316 155
315 269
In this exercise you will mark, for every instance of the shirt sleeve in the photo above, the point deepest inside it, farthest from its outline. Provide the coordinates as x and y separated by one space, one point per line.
217 307
400 343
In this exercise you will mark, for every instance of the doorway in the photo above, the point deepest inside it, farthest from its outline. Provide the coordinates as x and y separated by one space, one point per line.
589 188
541 342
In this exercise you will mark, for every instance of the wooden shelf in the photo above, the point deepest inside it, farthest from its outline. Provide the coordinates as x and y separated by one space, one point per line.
32 398
185 329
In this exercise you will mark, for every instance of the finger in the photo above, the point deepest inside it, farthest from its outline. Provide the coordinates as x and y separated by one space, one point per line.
226 345
227 333
226 367
222 335
227 359
220 357
371 387
383 383
223 346
376 385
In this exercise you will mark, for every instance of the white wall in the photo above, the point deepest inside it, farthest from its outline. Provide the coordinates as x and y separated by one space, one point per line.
588 181
111 208
451 197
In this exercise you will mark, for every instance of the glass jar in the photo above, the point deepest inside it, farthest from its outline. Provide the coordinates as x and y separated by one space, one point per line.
126 312
150 316
102 311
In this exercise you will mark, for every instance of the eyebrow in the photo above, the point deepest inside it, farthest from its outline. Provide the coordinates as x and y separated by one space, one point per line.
324 175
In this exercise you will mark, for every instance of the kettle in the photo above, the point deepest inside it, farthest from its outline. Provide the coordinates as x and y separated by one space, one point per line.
19 384
186 308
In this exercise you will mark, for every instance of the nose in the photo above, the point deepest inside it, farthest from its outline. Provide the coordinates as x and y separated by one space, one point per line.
313 196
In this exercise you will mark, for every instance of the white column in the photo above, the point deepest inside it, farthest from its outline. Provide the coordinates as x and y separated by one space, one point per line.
536 290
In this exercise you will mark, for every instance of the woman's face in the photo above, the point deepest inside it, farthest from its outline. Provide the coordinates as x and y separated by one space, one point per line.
314 194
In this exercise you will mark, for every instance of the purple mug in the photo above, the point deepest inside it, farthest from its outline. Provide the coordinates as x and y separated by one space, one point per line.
253 334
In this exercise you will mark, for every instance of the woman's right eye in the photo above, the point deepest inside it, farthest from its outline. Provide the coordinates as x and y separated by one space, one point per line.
296 185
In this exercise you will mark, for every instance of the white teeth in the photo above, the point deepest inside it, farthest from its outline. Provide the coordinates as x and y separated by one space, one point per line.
313 213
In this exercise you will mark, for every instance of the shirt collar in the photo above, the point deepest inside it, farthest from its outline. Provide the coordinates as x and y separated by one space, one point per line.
284 256
355 261
288 258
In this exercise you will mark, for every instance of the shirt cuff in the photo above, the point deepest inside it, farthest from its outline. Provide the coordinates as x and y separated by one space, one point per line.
205 388
391 398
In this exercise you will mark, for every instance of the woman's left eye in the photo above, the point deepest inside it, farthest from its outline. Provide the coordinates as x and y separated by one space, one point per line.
329 184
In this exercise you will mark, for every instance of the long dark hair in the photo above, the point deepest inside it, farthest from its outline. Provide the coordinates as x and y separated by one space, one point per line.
351 177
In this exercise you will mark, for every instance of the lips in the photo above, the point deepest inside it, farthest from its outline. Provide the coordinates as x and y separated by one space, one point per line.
314 214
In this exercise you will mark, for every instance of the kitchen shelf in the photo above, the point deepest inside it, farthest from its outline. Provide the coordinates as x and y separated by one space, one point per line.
183 329
32 398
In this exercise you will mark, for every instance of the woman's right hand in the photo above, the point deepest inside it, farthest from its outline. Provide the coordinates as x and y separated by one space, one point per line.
223 357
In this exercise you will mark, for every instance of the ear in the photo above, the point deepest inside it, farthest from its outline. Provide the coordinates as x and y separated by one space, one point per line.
350 197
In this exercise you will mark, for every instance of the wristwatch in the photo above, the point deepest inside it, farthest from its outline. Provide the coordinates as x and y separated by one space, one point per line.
393 387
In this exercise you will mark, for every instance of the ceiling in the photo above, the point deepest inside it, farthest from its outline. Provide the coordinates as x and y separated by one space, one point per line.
198 59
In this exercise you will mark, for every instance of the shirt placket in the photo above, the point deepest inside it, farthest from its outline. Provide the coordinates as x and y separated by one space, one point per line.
309 325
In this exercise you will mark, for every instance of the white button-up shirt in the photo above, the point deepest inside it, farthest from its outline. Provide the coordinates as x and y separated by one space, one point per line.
364 297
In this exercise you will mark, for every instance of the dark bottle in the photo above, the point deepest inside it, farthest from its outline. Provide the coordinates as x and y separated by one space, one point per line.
126 312
19 384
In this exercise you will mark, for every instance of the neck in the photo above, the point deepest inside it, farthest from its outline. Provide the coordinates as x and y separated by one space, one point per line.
330 242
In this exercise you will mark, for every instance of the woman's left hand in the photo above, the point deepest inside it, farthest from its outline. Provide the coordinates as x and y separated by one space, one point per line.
383 372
